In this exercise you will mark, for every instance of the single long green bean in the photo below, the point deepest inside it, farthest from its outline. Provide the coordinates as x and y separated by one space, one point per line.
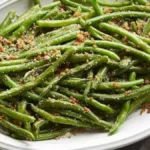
52 135
103 35
16 129
121 118
107 17
138 102
127 49
10 16
99 76
57 23
132 8
20 67
74 4
88 84
16 115
136 93
142 2
146 28
51 5
97 8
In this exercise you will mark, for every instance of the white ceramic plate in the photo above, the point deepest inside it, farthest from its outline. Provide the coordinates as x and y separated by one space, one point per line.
134 129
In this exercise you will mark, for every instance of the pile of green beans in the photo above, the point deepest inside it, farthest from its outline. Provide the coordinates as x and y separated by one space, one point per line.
72 66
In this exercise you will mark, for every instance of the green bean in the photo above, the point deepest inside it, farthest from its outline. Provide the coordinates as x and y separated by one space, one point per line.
57 23
89 101
104 36
72 114
134 26
57 95
16 115
22 109
52 135
107 17
127 34
118 85
37 2
73 82
77 58
27 24
18 22
132 76
99 76
118 72
74 4
10 16
52 5
51 13
38 124
16 129
146 28
142 2
50 85
22 106
20 67
136 93
121 118
58 119
118 4
109 3
13 62
138 102
50 36
140 70
88 84
97 8
105 52
127 49
59 40
132 8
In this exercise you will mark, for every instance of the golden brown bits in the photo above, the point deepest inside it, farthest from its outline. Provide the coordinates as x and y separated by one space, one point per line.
95 46
20 43
46 57
115 84
125 40
56 114
87 109
80 37
127 92
76 14
108 10
73 100
1 117
126 26
11 57
2 48
146 81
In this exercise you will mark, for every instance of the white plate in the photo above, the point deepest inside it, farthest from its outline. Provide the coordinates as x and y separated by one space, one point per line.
134 129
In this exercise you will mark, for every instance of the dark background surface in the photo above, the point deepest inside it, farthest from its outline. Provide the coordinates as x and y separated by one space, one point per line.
137 146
